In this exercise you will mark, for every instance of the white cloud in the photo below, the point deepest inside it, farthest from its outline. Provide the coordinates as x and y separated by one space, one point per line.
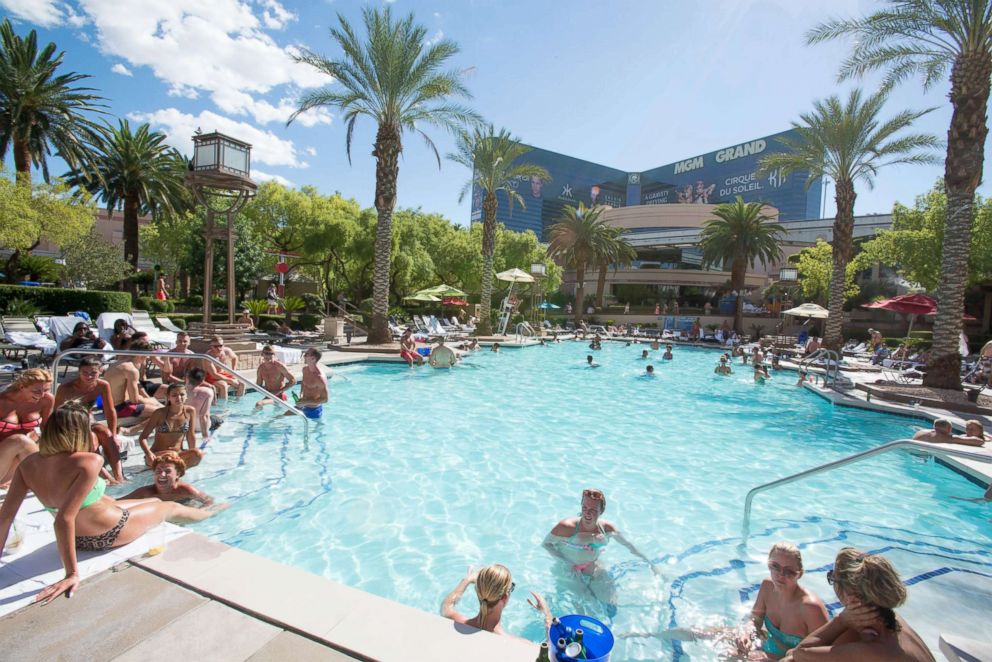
267 147
46 13
260 176
121 69
436 37
310 151
219 48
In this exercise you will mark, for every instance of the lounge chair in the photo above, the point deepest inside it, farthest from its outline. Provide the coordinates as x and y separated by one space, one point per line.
105 323
169 325
142 321
21 337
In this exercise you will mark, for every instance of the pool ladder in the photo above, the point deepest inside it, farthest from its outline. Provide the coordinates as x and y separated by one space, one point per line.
831 369
851 459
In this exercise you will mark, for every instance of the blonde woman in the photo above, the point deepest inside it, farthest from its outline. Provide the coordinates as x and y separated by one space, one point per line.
493 586
24 407
868 629
65 476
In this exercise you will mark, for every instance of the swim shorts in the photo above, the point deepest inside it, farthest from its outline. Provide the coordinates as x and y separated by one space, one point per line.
128 409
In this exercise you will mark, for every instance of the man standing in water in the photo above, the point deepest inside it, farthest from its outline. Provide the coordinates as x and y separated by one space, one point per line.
273 376
313 388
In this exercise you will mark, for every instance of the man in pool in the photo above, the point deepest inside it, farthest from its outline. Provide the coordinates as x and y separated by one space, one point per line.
408 349
579 541
943 433
649 370
644 355
273 376
590 362
313 386
723 368
668 352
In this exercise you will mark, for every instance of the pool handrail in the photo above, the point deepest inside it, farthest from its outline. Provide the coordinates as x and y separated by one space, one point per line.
941 449
187 355
832 366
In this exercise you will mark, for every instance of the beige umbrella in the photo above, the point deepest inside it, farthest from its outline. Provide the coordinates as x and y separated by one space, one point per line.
808 310
515 276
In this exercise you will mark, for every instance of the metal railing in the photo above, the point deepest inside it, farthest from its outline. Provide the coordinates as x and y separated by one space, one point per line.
347 316
190 355
832 367
931 449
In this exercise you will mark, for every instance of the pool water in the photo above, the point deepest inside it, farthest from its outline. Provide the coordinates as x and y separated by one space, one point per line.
415 474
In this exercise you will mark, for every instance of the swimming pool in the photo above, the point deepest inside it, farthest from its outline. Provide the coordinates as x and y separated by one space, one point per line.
413 475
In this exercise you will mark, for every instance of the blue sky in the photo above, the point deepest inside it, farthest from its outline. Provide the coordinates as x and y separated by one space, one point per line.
627 84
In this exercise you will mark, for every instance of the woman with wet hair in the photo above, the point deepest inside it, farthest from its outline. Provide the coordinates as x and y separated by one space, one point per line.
493 586
868 629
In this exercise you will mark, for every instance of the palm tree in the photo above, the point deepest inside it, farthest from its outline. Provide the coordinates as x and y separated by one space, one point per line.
493 159
579 237
135 170
848 142
395 79
619 253
40 109
741 234
926 37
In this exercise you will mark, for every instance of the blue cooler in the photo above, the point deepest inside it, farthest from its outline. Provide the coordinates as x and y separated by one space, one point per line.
596 638
424 351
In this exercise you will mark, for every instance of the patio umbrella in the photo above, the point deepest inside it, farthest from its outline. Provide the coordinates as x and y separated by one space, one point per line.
912 305
454 301
421 296
549 306
515 276
808 310
443 290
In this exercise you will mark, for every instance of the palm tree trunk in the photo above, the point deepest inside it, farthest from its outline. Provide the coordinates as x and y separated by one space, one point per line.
962 174
842 247
601 285
387 169
485 325
131 207
580 290
738 270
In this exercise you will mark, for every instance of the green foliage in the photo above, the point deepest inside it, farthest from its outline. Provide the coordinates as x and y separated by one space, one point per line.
154 305
314 303
256 307
94 262
309 322
38 268
59 301
740 232
815 266
167 238
145 278
21 308
293 305
914 245
41 212
180 322
194 301
40 107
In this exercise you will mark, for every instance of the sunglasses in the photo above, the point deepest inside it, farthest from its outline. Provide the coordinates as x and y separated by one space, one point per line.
513 585
785 572
830 577
595 495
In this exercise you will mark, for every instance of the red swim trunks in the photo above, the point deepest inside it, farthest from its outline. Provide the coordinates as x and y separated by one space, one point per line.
223 374
413 356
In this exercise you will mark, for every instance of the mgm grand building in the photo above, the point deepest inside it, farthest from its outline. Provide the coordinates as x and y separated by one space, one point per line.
663 209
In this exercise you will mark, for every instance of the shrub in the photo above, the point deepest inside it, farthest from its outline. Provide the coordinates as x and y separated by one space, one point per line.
270 325
314 303
21 308
59 301
309 322
180 322
194 301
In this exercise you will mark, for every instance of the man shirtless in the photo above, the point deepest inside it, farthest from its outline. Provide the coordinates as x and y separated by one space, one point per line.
174 369
313 386
201 398
273 376
123 376
943 433
219 378
86 388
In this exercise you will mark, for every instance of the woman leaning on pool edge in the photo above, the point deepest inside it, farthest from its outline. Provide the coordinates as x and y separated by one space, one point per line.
868 629
65 476
493 586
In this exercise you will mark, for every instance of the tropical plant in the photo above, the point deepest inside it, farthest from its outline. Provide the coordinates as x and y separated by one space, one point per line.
256 308
742 235
395 78
41 109
619 253
494 159
848 142
578 238
21 308
292 305
38 268
927 37
137 171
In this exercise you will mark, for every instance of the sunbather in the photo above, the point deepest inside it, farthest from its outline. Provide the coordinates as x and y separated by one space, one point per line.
868 628
82 338
24 408
65 476
493 586
122 333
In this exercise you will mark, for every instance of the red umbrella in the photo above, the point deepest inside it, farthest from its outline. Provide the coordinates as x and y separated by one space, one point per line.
453 301
911 304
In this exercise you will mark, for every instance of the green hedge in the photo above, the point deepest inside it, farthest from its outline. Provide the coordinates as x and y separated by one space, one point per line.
59 301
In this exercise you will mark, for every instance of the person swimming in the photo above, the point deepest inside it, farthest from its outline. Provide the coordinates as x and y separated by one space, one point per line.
590 362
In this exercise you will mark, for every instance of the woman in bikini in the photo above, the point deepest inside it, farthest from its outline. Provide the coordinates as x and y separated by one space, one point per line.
580 540
24 407
65 476
171 425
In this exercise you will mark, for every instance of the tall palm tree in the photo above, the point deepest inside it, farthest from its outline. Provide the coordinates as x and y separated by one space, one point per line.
394 77
619 253
849 142
493 157
578 238
927 37
41 109
137 171
742 235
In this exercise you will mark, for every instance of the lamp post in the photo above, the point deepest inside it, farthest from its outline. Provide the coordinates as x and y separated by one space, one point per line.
537 270
220 173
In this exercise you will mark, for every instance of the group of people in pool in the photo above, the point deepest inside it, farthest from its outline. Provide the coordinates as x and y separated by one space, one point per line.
788 621
51 445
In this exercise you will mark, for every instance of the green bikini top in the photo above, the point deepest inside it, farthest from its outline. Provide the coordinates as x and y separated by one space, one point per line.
99 487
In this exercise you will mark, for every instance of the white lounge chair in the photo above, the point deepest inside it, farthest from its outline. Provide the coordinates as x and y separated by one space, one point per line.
169 325
142 321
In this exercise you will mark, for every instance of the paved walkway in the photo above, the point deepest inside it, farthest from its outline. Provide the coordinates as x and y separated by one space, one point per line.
128 613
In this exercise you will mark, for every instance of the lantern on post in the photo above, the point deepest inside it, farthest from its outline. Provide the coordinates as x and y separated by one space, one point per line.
219 179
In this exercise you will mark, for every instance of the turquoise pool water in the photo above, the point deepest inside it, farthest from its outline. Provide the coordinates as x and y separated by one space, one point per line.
413 475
